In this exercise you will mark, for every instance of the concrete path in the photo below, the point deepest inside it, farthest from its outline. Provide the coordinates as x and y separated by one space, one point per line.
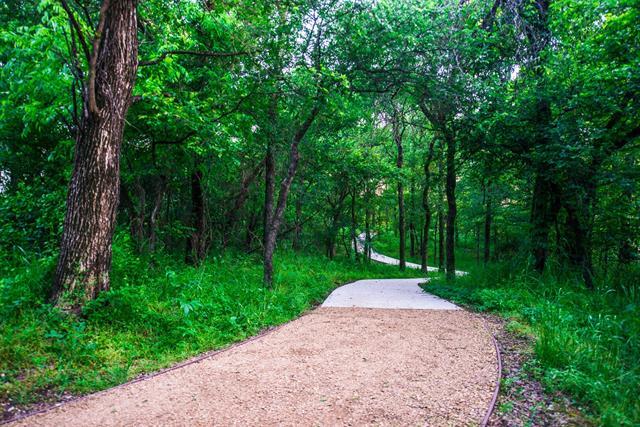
375 256
387 293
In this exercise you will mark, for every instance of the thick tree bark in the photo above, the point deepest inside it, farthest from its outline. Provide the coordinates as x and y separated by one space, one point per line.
451 207
85 251
441 234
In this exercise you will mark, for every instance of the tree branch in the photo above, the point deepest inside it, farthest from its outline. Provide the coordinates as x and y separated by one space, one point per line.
76 27
93 105
192 53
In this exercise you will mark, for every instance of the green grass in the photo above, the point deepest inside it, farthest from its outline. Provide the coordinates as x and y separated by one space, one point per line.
587 343
158 312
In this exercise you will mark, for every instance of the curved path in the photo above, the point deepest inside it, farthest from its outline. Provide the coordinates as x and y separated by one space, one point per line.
376 352
375 256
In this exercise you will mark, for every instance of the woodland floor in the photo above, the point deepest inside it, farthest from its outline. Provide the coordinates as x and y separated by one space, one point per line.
333 366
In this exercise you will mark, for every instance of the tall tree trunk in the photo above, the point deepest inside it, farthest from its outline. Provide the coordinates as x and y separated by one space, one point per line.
367 229
426 206
275 219
397 136
451 207
137 224
412 226
487 224
85 250
270 169
435 241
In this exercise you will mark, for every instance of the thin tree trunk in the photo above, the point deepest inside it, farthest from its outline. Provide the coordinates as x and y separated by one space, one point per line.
435 240
451 207
354 240
412 226
85 250
252 224
273 226
426 206
367 230
397 136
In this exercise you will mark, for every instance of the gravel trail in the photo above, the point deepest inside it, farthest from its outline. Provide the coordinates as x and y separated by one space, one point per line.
333 366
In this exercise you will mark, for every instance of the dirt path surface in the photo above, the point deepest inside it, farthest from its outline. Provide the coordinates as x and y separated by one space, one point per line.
334 366
414 359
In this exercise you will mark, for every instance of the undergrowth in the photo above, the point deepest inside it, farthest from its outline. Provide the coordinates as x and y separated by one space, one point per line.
587 343
158 312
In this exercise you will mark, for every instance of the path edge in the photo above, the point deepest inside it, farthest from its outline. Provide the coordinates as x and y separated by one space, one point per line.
496 392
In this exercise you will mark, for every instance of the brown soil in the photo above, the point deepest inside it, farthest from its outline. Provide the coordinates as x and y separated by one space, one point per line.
334 366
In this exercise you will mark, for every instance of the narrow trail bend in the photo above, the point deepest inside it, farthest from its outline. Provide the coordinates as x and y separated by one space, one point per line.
383 259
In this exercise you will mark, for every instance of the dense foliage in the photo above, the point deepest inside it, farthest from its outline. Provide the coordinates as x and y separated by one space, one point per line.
204 135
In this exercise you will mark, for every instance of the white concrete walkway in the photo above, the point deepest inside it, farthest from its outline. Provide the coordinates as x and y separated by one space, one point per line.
375 256
387 293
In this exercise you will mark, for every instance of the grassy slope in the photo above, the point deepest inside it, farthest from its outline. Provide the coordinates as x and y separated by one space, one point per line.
152 317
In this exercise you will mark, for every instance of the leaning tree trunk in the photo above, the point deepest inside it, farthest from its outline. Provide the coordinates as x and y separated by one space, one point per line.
85 250
272 226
